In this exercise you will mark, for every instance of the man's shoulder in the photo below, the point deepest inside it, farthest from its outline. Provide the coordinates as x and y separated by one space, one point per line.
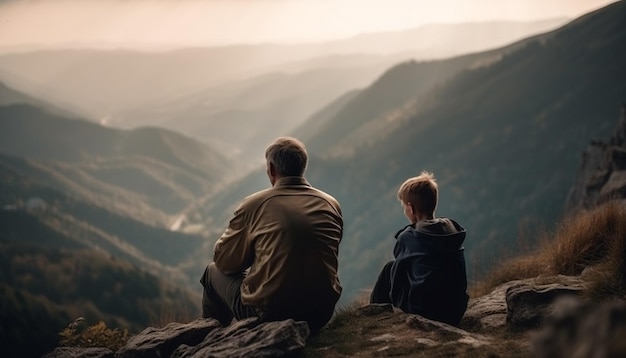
255 200
258 197
325 196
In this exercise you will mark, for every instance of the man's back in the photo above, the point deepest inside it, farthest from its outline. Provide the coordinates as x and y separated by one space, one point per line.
293 235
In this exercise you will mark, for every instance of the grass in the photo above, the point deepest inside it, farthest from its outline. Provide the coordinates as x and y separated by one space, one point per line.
592 241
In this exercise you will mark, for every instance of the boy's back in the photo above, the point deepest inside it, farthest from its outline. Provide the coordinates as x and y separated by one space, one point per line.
428 274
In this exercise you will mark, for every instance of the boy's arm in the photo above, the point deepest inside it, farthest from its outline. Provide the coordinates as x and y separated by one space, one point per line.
406 252
398 270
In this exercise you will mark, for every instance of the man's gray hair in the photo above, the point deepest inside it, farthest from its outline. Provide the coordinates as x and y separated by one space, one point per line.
288 155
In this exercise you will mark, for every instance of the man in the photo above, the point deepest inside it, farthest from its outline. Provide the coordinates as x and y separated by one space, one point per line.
278 257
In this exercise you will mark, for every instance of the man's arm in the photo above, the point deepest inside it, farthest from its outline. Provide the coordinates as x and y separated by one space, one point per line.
233 251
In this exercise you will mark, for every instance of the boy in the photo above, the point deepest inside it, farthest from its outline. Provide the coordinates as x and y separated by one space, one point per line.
427 276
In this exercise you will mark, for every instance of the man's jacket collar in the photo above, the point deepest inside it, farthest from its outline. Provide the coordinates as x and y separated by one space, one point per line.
291 181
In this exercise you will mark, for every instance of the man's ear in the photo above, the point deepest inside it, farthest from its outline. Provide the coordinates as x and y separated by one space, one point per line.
271 169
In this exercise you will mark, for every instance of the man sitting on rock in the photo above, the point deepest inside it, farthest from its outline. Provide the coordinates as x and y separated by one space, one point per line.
428 275
278 257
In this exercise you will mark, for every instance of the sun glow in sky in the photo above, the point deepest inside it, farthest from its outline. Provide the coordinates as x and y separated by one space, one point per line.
166 23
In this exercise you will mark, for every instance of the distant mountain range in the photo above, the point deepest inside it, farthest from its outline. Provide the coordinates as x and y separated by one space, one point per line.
9 96
503 139
231 95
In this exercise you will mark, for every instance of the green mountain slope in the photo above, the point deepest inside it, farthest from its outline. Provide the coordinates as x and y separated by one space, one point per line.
163 169
68 220
384 105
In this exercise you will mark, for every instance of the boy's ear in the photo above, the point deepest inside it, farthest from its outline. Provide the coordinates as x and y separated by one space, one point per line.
411 208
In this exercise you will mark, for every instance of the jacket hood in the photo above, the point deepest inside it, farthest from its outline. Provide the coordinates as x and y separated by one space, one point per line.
440 234
439 227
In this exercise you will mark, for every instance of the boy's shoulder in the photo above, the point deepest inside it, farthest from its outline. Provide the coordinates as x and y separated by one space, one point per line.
401 232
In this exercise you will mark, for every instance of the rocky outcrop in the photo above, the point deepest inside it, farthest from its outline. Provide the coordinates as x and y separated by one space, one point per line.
410 333
602 172
528 303
162 342
496 324
248 338
583 329
489 311
519 304
205 338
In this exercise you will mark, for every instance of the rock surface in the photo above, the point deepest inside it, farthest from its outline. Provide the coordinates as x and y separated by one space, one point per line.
250 338
518 304
75 352
528 304
488 311
205 338
161 342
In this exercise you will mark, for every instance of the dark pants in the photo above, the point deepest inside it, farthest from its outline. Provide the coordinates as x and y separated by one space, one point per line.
221 298
382 288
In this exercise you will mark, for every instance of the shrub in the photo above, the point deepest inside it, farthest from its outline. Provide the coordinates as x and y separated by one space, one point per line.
98 335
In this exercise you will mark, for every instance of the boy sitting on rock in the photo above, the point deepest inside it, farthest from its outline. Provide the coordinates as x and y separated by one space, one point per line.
427 276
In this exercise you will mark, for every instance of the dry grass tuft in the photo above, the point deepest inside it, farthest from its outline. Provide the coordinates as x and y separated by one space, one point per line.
513 269
588 239
594 240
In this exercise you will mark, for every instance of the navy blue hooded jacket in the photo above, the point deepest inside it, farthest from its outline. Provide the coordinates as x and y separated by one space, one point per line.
428 275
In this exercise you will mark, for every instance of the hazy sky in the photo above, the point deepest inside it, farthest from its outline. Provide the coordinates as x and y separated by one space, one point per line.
211 22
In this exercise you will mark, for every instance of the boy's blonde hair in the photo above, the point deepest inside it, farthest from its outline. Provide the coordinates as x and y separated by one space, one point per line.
421 191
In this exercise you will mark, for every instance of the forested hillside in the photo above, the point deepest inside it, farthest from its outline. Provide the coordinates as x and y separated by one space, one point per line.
85 216
44 289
